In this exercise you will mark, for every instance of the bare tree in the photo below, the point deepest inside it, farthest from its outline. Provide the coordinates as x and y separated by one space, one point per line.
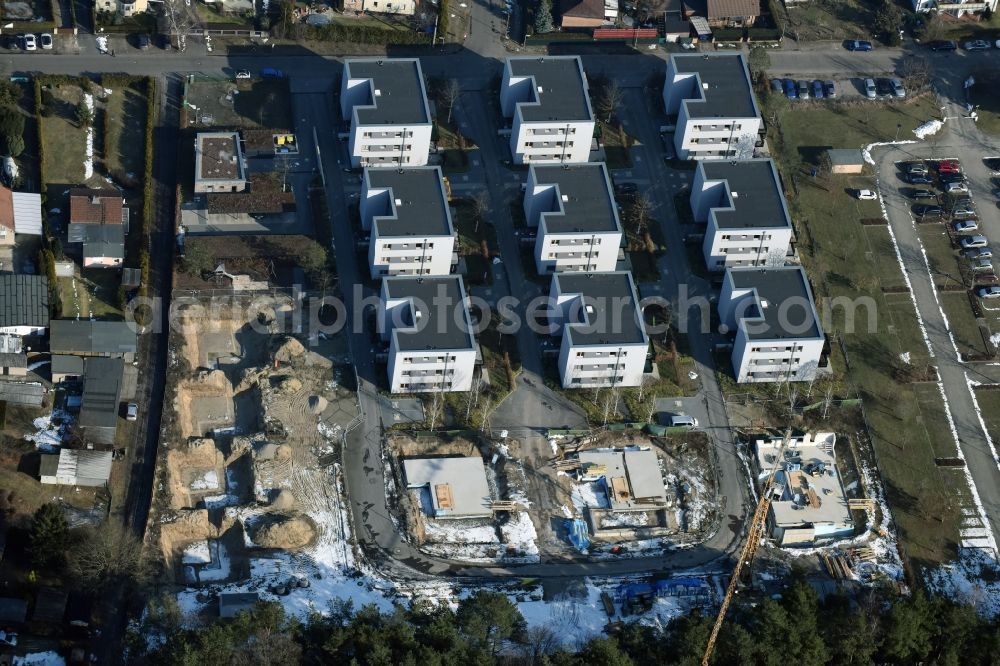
640 212
539 641
450 92
481 207
610 99
934 29
651 406
915 72
827 400
743 146
107 554
179 20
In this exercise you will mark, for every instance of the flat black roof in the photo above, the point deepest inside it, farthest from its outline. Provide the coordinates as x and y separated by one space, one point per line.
754 193
421 206
434 304
615 317
585 197
769 320
560 88
725 85
397 89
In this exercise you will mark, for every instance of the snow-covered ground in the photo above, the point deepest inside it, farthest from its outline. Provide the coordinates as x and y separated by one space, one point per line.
519 533
50 658
973 579
197 552
207 481
88 163
589 495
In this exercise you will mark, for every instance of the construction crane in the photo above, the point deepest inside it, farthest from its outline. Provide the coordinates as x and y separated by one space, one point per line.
754 536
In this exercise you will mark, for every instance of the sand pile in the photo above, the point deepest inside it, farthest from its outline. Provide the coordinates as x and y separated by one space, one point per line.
283 531
283 500
288 349
289 386
317 404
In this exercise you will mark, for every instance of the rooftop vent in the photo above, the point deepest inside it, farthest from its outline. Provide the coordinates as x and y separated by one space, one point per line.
764 303
736 195
565 198
378 92
704 86
540 89
398 202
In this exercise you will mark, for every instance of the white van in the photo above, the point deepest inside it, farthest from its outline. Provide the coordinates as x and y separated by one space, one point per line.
683 420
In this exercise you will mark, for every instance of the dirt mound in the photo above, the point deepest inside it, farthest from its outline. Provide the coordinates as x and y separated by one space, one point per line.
317 404
284 452
283 531
267 452
289 386
288 349
283 500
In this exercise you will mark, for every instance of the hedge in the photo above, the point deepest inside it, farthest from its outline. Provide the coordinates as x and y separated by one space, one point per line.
764 35
359 34
42 180
779 21
442 27
558 37
727 34
148 188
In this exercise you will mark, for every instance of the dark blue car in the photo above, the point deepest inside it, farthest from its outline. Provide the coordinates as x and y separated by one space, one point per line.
271 73
817 90
790 89
855 45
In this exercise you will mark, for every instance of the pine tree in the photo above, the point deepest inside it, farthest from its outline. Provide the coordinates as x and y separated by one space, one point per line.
543 17
49 536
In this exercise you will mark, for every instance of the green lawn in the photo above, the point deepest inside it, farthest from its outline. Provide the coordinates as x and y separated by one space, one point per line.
989 405
470 234
124 153
904 418
964 328
942 257
884 258
64 142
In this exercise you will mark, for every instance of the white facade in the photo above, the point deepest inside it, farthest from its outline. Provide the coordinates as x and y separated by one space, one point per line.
713 100
547 98
577 218
603 341
778 332
124 7
428 349
409 218
386 102
956 9
746 216
404 7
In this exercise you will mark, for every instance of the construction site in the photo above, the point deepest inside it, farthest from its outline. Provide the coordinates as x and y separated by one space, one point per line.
248 463
607 495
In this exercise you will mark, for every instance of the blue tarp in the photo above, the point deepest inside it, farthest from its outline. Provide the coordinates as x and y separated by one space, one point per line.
579 536
679 586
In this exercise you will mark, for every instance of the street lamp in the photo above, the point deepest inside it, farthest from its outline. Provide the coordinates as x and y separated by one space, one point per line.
898 126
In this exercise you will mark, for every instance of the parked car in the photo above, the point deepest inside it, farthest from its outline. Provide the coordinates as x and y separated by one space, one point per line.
916 167
856 45
777 86
992 163
949 166
960 212
142 41
790 89
960 186
830 89
243 74
982 266
870 92
131 412
951 177
942 45
45 40
271 73
866 195
966 225
626 189
918 179
988 278
29 43
976 45
928 211
897 88
975 241
818 89
683 420
922 194
988 292
883 87
977 253
803 89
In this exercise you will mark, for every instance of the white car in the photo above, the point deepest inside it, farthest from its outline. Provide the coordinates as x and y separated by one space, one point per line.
974 241
46 41
966 225
959 186
243 74
867 195
131 412
988 292
29 43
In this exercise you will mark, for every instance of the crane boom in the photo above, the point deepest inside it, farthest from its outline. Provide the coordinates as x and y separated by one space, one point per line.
754 536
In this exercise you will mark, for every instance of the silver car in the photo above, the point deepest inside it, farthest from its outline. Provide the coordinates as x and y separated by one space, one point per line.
870 90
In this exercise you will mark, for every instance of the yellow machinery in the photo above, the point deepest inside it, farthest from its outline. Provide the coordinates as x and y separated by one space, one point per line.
757 526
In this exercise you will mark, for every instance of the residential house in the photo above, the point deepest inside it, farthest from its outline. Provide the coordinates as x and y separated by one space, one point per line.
66 368
126 8
778 332
219 165
24 304
72 467
846 160
98 222
582 14
386 103
404 7
457 487
732 13
956 9
632 480
547 98
431 343
87 337
576 215
102 390
20 213
13 360
746 216
713 100
407 212
604 343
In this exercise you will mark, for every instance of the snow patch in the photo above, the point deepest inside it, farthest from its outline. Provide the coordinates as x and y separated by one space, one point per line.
88 163
49 430
930 128
50 658
589 495
208 481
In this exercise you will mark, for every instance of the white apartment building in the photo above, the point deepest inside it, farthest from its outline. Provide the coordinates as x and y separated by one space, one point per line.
124 7
713 100
547 98
386 102
404 7
604 342
747 220
576 216
778 333
407 212
431 342
958 8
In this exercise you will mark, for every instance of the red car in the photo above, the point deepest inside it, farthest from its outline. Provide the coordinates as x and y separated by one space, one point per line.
949 166
987 278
